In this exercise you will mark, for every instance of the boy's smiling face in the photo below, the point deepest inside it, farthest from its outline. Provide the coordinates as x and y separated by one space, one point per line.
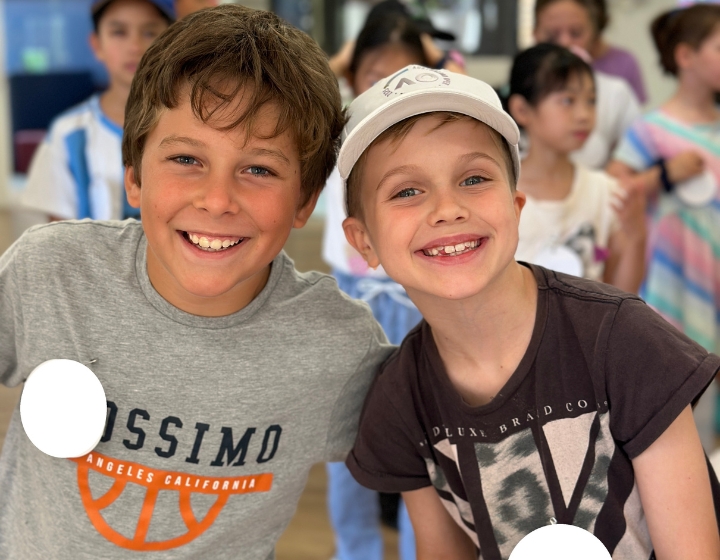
438 210
217 207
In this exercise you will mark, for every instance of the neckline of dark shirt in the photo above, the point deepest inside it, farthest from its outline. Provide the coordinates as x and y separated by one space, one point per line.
432 355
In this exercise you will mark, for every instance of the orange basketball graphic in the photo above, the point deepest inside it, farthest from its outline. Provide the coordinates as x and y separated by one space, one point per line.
155 481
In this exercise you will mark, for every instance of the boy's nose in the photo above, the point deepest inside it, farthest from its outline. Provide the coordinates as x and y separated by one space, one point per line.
447 208
217 196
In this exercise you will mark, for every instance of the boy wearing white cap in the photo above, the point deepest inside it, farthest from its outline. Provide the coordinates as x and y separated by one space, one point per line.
526 397
77 171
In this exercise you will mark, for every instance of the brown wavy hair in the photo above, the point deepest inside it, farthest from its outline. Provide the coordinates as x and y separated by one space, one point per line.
220 53
690 26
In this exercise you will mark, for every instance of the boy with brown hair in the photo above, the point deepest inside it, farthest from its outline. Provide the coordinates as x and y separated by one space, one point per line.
227 373
77 171
526 397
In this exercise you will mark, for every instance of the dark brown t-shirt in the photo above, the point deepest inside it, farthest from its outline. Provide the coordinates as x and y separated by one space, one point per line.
601 380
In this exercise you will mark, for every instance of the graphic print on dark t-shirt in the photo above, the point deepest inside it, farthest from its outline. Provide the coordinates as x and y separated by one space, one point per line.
515 488
602 378
527 477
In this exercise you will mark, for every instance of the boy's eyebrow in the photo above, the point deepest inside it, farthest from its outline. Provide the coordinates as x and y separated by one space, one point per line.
396 171
275 154
174 139
467 158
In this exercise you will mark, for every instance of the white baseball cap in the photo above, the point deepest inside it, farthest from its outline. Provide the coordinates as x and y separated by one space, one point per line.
415 90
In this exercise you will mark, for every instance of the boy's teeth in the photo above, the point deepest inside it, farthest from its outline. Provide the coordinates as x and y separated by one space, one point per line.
212 245
452 249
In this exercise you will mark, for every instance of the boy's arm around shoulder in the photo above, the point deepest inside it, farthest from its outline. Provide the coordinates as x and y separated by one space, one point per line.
345 415
387 454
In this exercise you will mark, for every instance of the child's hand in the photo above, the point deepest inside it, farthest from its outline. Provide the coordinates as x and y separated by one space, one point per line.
340 62
629 203
432 51
684 166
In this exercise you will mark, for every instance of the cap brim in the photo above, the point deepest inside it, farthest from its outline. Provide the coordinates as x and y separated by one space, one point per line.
421 102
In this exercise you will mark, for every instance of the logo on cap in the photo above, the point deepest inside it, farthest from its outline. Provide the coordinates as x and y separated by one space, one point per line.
409 77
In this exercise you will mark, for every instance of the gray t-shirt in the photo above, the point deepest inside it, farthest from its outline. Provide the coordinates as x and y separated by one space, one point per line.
213 423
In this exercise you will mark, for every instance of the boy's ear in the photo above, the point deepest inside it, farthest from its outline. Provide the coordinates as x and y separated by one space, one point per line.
303 214
519 109
94 42
132 187
357 235
519 200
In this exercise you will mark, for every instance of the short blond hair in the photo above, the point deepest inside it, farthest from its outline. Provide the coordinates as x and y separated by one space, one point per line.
255 52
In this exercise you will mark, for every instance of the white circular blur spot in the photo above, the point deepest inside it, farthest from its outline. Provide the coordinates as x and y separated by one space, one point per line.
560 542
699 190
63 408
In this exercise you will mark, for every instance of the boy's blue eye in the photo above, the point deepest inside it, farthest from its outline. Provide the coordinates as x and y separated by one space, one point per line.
185 160
474 180
407 193
259 171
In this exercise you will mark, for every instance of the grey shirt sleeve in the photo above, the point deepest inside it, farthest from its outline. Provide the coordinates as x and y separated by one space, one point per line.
343 424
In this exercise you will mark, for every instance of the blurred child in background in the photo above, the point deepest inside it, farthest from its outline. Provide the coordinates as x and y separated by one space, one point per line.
576 220
580 23
388 42
435 57
673 155
569 23
77 171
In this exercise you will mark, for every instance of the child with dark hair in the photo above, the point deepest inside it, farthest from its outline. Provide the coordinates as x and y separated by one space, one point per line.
77 171
572 24
227 372
419 20
576 220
